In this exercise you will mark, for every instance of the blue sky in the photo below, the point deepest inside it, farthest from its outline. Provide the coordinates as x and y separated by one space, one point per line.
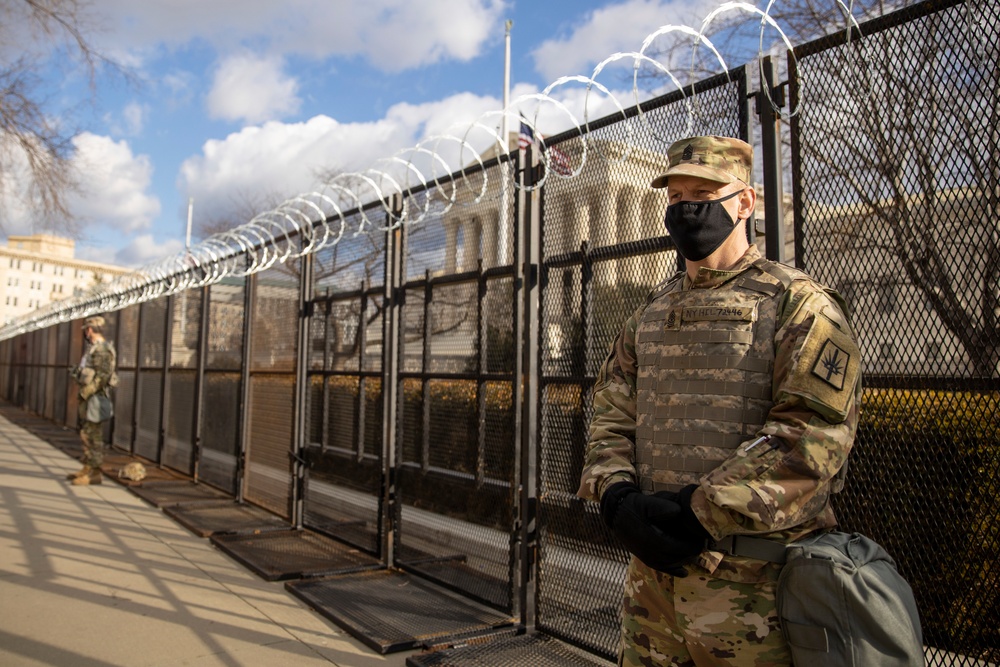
247 100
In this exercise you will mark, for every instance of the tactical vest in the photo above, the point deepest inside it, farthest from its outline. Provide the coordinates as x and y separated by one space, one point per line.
705 371
113 379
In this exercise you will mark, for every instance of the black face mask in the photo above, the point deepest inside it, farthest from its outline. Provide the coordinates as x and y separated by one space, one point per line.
698 228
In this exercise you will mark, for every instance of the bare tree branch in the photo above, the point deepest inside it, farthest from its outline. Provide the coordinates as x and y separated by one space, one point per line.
36 156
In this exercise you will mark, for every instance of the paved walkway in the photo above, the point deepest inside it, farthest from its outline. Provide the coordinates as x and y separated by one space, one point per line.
94 576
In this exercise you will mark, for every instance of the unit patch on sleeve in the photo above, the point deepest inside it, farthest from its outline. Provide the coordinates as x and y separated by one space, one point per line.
827 369
831 364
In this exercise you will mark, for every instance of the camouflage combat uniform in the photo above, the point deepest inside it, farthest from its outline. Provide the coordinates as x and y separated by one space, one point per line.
697 374
100 358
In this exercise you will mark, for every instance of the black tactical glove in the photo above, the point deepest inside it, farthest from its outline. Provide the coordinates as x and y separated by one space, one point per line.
653 528
689 527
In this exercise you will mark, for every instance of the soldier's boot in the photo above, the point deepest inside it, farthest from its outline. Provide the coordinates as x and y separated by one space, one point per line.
85 470
86 480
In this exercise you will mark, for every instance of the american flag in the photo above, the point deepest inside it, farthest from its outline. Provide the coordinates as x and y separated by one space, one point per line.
525 137
558 161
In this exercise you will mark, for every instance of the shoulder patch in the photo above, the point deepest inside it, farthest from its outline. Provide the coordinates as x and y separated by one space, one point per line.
827 370
831 364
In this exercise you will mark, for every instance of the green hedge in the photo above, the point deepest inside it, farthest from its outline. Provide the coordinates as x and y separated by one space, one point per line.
925 482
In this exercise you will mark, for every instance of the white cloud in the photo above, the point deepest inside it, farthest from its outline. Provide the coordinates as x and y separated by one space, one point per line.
132 122
114 184
144 249
113 189
616 28
278 157
288 157
393 35
180 87
252 89
135 117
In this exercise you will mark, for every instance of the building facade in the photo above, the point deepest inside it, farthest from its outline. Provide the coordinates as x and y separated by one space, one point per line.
39 269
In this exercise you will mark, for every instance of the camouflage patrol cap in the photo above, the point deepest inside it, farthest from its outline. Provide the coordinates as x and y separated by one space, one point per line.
96 323
721 159
134 472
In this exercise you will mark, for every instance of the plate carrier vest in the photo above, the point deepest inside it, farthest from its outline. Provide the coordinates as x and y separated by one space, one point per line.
705 371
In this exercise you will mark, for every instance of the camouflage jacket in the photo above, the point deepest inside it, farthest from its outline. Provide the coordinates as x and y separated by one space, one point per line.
96 369
781 491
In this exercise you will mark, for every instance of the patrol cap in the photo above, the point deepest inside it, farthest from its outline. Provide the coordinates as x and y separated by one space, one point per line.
720 159
96 323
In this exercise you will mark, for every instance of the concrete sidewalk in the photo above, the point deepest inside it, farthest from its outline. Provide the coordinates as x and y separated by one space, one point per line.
93 576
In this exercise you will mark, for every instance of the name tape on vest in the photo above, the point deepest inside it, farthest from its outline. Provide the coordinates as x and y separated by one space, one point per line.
710 314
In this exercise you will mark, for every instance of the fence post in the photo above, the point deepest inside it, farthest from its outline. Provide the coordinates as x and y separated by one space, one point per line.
299 424
392 300
527 262
482 368
74 358
168 331
137 392
199 382
425 383
324 437
249 290
770 137
363 388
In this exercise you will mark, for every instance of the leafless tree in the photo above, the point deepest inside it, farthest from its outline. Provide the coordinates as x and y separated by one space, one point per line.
35 145
908 136
898 150
242 206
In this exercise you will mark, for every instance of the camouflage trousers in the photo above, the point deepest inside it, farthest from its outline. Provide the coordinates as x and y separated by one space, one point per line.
92 435
699 621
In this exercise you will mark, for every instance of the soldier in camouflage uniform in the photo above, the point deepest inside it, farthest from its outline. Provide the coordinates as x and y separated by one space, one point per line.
723 415
94 375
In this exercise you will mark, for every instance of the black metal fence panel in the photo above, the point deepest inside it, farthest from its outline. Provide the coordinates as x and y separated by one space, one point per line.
127 339
218 456
51 390
75 351
270 415
148 413
895 148
20 373
39 349
455 477
344 410
226 325
5 366
184 325
62 379
150 379
604 250
178 420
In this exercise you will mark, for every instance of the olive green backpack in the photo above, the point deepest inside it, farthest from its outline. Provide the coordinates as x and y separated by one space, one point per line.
842 603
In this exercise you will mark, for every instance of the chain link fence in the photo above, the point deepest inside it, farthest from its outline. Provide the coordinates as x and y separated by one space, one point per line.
896 171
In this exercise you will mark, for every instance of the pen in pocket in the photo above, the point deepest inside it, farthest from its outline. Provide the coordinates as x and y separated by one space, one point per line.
759 441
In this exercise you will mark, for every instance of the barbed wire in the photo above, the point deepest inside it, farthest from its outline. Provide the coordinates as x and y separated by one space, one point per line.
312 221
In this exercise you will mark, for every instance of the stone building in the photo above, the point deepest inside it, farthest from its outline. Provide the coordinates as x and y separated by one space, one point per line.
39 269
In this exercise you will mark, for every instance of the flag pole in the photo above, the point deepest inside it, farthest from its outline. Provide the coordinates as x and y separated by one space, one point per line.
506 85
187 241
507 173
